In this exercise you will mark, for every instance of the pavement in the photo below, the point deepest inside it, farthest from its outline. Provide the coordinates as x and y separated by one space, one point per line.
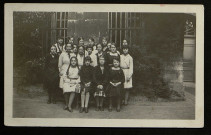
138 108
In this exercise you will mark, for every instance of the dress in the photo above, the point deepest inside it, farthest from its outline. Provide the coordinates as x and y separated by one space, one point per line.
115 76
80 60
109 58
100 78
126 63
93 60
71 81
87 75
64 61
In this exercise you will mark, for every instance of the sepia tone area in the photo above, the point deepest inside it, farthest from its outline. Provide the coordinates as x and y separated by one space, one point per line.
162 46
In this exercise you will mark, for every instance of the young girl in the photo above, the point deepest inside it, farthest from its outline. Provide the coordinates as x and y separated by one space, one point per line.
60 45
86 74
64 62
75 49
116 79
80 56
126 63
111 55
71 83
100 52
92 44
51 74
124 42
100 79
92 56
104 44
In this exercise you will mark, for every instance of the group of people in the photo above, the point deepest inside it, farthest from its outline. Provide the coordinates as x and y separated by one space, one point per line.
93 70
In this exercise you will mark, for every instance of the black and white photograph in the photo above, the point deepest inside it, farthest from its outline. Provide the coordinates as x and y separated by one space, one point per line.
110 64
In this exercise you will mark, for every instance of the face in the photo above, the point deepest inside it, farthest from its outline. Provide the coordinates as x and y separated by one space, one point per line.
81 42
116 63
99 48
81 50
53 50
68 47
113 48
124 42
60 41
71 40
73 62
91 42
87 62
125 51
102 61
75 49
89 50
104 42
109 46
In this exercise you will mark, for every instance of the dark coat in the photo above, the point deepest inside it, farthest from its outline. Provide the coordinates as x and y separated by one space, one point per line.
99 77
51 71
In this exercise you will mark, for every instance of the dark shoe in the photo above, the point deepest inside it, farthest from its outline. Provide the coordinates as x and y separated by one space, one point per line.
70 109
65 108
49 101
86 110
101 108
81 110
97 109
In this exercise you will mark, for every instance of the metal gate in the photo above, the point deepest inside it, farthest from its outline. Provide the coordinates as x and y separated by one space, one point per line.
125 25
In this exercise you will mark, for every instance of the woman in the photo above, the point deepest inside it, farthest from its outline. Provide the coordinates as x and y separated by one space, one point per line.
64 61
111 55
51 74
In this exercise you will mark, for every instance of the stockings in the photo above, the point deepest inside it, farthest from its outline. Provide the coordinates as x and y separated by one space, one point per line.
84 99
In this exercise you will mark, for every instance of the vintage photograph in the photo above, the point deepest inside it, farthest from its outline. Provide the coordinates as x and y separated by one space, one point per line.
104 65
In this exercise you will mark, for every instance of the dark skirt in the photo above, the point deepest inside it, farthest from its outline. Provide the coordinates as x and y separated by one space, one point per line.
112 91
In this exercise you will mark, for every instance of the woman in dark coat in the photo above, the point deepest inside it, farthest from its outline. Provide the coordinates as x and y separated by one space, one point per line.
52 74
101 80
116 79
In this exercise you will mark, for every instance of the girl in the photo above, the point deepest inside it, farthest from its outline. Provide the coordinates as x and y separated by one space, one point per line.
100 79
59 45
126 63
124 42
86 74
75 49
80 56
111 55
70 40
92 56
71 83
116 79
64 61
92 43
51 74
104 43
100 52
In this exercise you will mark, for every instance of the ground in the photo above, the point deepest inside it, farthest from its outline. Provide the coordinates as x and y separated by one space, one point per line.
28 106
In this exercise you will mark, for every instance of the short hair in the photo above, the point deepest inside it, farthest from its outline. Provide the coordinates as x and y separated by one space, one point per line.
99 44
89 46
101 57
92 39
66 45
80 38
87 58
116 58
